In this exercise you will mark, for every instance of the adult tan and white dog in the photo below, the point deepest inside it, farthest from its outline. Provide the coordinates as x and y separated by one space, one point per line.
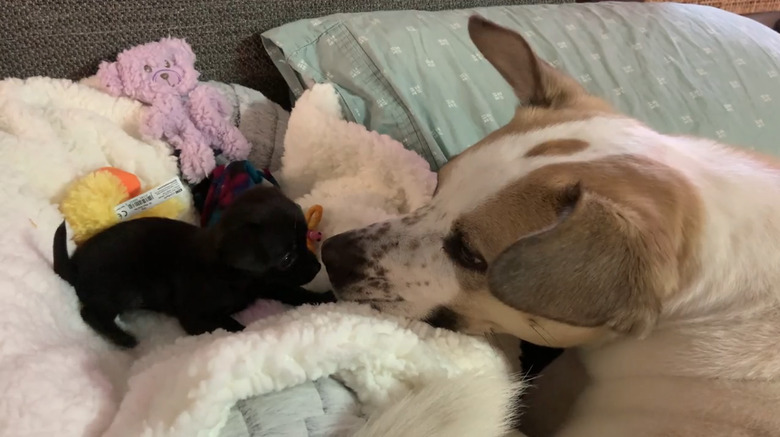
655 258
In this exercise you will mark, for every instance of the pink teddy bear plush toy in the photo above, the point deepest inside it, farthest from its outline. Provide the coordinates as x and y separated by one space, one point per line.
192 117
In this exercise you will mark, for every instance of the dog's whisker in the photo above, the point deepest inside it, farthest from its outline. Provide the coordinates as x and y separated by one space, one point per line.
491 337
533 326
543 329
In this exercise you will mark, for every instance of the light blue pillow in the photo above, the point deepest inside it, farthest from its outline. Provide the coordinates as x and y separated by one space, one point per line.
416 75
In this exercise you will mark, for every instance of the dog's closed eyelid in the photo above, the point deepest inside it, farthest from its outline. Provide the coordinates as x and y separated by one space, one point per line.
459 251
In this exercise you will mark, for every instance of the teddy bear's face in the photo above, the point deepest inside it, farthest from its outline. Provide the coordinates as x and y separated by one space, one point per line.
146 71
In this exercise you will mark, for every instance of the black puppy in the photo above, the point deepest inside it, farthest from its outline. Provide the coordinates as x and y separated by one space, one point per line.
200 276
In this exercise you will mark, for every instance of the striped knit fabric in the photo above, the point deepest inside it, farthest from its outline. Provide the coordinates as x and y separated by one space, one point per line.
224 184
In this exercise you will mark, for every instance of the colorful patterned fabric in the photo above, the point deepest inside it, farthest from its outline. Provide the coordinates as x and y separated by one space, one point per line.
224 184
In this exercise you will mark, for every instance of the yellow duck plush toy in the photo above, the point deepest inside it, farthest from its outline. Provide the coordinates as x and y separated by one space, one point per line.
88 205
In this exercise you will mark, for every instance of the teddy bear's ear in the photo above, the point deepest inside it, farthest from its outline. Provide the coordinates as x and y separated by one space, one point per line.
181 50
108 75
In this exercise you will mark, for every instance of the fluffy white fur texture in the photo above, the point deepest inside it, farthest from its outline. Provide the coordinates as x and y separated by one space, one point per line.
59 378
358 176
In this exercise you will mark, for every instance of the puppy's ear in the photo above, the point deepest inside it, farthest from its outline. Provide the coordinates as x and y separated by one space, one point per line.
109 78
237 251
534 81
590 269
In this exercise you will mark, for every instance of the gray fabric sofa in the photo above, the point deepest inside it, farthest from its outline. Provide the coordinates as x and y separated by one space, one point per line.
68 38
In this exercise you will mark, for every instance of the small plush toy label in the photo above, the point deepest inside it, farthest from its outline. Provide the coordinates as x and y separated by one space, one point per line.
149 199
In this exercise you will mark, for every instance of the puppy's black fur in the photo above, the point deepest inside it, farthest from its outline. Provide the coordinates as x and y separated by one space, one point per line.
200 276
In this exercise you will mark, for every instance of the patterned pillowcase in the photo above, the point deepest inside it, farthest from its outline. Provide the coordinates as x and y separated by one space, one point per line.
416 75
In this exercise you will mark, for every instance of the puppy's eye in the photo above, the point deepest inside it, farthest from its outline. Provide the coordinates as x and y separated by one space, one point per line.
167 64
147 69
287 261
462 254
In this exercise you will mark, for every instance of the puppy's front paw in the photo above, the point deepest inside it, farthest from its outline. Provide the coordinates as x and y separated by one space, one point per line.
231 325
196 325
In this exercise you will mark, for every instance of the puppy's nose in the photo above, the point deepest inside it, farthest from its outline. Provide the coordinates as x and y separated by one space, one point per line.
344 259
314 269
164 76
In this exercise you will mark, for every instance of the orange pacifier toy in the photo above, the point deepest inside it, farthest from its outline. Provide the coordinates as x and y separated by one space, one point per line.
313 218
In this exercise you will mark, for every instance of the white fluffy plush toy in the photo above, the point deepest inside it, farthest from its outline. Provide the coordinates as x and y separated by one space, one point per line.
359 177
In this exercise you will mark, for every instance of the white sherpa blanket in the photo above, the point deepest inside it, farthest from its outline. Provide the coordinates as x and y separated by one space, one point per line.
56 376
358 176
187 389
59 378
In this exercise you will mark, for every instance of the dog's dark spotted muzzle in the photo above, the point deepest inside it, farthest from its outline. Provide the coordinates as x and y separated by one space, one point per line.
344 260
444 318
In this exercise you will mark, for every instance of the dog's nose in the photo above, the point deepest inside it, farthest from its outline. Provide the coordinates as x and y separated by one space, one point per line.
164 76
344 259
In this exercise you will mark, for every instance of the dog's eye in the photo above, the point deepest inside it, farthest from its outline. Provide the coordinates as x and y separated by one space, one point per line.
472 260
167 64
147 69
287 261
462 254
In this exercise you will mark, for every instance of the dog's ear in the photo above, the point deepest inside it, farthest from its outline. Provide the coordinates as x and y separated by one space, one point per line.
109 78
534 81
593 268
